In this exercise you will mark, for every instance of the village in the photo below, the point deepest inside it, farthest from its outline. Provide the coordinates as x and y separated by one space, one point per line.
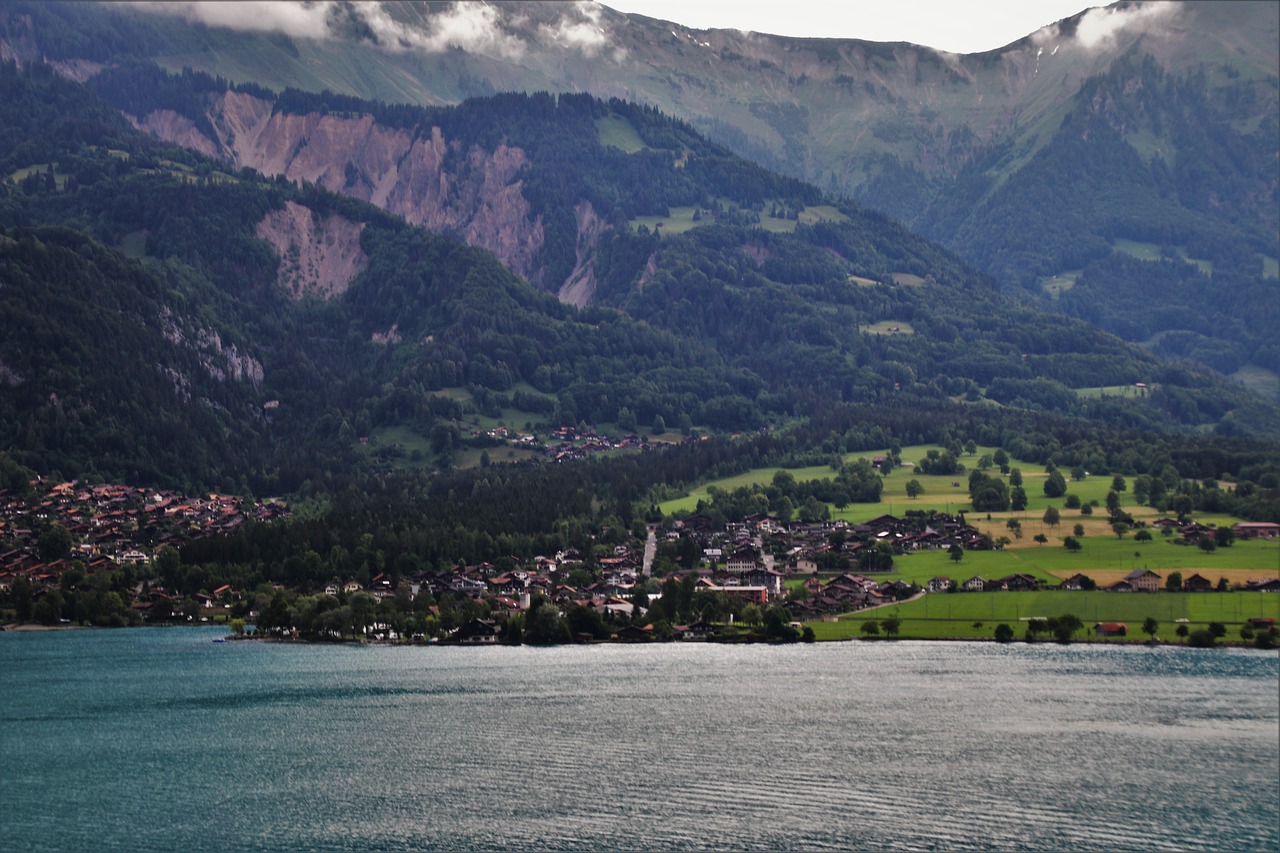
818 571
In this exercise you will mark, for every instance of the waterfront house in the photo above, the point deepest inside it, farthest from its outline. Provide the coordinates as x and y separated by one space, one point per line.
1110 629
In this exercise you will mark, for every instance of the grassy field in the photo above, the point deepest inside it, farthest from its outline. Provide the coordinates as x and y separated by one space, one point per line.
906 279
1270 267
1104 556
1099 391
1151 252
952 615
821 213
889 327
1259 380
863 282
1061 283
617 132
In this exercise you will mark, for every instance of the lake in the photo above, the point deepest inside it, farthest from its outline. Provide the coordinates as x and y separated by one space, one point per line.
160 739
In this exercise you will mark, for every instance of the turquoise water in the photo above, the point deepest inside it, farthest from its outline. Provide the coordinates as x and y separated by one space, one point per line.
159 739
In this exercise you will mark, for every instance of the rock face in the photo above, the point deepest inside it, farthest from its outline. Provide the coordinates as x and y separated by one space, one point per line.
579 288
477 194
318 257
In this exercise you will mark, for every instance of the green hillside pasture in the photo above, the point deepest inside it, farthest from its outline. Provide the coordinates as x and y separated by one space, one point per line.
134 245
756 476
679 220
617 132
1060 283
907 279
1270 267
821 213
889 327
863 282
1151 252
1261 381
1099 391
952 615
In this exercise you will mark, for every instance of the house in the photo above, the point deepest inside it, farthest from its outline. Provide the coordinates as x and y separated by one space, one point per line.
477 632
1076 581
1197 583
1256 530
1110 629
941 583
1120 586
697 632
1143 580
1269 585
975 584
634 634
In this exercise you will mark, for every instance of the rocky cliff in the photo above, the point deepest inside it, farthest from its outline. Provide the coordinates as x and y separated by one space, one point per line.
430 181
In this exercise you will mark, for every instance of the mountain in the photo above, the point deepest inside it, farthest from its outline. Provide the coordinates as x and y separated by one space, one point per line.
1119 165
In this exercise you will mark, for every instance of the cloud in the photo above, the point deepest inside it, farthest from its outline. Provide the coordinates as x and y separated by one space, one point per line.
1099 26
469 25
580 29
301 20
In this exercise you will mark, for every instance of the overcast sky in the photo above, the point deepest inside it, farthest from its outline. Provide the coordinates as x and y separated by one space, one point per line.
951 25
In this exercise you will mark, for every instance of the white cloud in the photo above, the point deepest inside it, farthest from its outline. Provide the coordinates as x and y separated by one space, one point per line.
580 29
471 26
1099 26
302 20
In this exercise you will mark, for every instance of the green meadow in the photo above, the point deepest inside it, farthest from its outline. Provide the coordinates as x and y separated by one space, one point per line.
1104 556
953 615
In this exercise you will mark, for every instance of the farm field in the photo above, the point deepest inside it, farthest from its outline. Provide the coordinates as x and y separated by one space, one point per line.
952 615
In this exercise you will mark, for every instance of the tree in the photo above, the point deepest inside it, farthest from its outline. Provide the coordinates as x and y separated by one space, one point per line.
54 543
1200 638
1004 634
1223 536
1143 535
659 425
1040 538
891 625
626 420
1223 586
1173 583
1065 627
1000 457
1015 477
1113 503
955 552
1055 486
1018 499
1078 530
1119 528
1117 483
870 628
1218 630
1150 626
1072 544
1182 631
1071 501
914 489
1087 509
1052 516
752 615
1207 544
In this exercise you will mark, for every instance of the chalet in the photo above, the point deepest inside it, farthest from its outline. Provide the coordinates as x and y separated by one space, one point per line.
975 584
1197 583
477 632
635 634
1076 581
697 632
1120 586
1256 530
1143 580
1267 585
1110 629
